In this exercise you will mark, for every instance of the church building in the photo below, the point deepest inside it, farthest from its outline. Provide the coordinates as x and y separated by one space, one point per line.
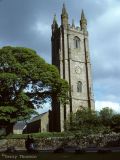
71 55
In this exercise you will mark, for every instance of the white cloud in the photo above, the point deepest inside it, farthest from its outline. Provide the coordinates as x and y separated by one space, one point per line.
102 104
45 108
42 28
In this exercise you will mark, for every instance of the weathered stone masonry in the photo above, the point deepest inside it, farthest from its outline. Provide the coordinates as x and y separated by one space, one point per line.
70 53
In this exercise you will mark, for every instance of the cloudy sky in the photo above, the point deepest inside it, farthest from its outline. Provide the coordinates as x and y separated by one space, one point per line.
28 23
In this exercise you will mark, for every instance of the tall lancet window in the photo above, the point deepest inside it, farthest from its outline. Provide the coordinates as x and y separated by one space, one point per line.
79 86
76 42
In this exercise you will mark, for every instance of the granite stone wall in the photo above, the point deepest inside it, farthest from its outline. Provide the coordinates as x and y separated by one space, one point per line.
55 142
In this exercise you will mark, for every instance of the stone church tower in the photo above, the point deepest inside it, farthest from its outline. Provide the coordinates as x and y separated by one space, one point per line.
70 53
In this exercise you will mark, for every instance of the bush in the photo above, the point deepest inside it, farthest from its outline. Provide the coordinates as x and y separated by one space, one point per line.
86 122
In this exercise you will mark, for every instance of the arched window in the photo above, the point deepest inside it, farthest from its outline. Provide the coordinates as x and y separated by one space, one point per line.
76 42
79 86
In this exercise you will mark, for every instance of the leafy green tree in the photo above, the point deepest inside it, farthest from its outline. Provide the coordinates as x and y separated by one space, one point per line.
106 115
26 82
115 123
84 121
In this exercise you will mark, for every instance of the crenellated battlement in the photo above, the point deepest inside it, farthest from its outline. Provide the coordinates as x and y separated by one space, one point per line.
65 24
75 28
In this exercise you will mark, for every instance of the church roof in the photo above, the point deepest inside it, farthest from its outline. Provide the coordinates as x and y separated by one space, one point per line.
20 125
36 118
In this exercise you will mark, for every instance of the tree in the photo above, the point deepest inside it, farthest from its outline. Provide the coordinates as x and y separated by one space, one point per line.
84 121
115 123
26 82
106 116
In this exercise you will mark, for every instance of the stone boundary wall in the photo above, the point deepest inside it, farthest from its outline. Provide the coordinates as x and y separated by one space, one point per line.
55 142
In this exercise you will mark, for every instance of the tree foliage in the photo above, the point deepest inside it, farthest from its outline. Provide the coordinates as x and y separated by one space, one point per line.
26 81
87 122
115 123
84 121
105 115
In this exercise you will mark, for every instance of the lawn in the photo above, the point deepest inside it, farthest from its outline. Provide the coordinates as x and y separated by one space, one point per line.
60 156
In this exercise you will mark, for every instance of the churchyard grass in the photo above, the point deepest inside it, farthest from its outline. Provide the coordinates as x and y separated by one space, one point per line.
38 135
